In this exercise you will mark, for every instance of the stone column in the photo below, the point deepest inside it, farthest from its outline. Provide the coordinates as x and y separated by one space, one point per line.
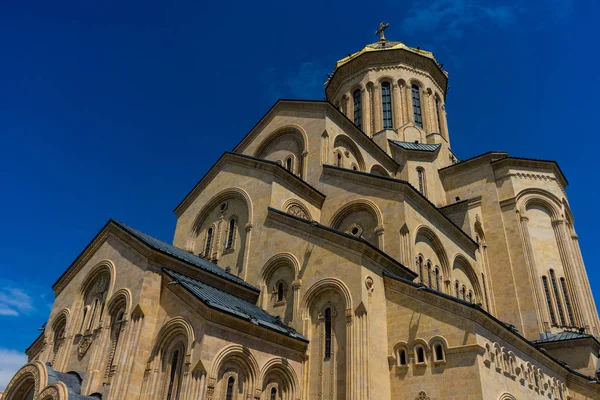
534 280
396 106
379 233
366 108
303 167
408 108
378 123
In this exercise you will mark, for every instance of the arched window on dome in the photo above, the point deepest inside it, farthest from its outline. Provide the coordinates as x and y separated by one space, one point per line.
561 315
386 104
357 108
549 300
416 102
567 301
437 114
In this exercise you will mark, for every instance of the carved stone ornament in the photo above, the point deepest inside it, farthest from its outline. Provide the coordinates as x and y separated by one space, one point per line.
422 396
369 284
84 346
296 210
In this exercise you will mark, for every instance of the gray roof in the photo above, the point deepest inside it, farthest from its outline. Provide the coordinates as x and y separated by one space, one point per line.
233 305
183 255
72 381
417 146
564 335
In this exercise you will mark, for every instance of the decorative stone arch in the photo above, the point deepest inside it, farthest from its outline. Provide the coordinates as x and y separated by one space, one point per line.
281 367
243 356
121 299
174 327
295 207
277 260
438 248
471 274
540 197
324 284
398 347
55 391
345 141
360 205
266 273
377 169
31 376
233 192
298 133
507 396
101 267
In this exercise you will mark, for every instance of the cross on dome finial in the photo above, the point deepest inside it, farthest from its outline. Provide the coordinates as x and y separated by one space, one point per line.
382 27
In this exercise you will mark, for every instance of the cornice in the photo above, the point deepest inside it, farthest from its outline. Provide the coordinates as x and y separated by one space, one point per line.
311 194
345 241
462 205
532 163
485 320
380 58
472 162
399 186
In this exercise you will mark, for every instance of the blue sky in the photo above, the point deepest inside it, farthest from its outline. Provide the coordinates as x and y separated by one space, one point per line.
116 109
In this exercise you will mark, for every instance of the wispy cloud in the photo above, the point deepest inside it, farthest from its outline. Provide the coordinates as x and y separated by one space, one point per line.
14 301
449 18
10 362
306 82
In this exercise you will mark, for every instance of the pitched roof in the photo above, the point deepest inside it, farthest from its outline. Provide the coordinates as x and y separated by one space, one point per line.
417 146
233 305
183 255
564 335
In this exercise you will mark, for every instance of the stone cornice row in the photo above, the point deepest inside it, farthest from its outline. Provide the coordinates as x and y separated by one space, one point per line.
344 240
329 110
152 257
383 58
484 319
399 186
532 163
310 193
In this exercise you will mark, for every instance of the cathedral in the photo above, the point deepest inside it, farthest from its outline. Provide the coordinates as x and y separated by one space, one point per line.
340 251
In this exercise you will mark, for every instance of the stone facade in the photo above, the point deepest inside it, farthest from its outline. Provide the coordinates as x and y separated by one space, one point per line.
386 267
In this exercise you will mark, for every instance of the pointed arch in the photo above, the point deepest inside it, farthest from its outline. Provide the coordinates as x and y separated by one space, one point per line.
429 234
225 194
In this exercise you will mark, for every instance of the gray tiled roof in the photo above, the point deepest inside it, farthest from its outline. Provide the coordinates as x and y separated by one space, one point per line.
233 305
183 255
564 335
72 381
417 146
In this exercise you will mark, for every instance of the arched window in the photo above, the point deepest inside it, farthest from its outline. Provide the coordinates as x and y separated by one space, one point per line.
59 337
354 167
402 357
437 114
487 302
208 245
420 262
429 273
357 108
421 179
561 315
338 159
172 388
117 326
230 234
549 300
416 102
85 310
280 291
463 293
457 288
229 392
563 284
438 351
91 321
327 333
420 355
470 296
386 104
437 278
289 164
273 393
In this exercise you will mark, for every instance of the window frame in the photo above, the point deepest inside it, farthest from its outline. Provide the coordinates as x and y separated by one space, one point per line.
417 105
387 121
